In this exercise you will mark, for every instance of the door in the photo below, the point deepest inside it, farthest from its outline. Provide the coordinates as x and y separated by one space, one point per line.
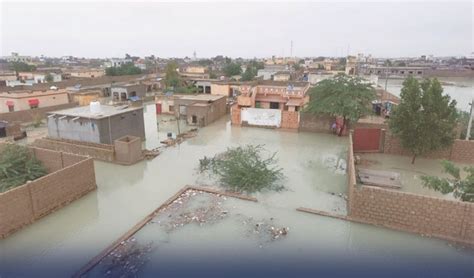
367 139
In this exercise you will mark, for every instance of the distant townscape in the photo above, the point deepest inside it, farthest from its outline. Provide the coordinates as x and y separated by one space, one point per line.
119 157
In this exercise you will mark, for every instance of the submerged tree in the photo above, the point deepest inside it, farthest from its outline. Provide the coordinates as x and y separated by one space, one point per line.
425 119
462 189
243 169
344 96
17 166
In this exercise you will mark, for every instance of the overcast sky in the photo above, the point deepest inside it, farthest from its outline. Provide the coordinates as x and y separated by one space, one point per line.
241 29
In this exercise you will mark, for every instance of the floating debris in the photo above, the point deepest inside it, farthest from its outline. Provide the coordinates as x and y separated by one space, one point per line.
265 230
127 259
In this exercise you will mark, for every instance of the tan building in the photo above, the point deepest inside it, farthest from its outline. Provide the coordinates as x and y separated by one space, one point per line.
87 73
195 69
18 100
282 76
85 97
270 103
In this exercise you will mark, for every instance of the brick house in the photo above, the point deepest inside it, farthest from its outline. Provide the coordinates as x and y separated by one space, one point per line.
270 103
19 100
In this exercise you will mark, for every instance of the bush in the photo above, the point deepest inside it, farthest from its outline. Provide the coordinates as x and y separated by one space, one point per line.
17 166
243 169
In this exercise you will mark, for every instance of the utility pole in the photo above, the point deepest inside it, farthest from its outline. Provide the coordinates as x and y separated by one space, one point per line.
469 125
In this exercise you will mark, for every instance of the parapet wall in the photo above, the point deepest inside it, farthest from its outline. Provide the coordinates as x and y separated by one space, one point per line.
70 177
445 219
26 116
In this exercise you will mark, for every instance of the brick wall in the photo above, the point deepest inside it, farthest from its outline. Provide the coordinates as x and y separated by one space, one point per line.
461 150
97 151
54 191
235 115
290 119
26 116
29 202
312 123
446 219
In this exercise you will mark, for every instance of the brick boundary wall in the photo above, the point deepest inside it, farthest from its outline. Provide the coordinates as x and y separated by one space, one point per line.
445 219
97 151
70 178
290 119
26 116
461 150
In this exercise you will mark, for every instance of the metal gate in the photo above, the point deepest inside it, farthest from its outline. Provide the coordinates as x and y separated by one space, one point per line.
367 139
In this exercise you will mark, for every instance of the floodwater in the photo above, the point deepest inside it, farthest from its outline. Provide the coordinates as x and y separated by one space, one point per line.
314 165
459 88
410 174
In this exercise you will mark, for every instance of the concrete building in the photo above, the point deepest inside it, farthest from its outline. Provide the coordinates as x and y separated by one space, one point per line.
204 86
351 65
96 123
117 62
282 76
199 110
18 100
270 103
85 97
128 91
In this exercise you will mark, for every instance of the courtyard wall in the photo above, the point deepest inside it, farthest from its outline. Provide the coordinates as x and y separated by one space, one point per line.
430 216
26 116
70 177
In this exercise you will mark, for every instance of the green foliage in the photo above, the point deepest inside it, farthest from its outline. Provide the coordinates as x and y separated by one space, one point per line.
172 78
343 96
17 166
243 169
126 69
21 66
461 189
232 69
49 78
252 70
425 119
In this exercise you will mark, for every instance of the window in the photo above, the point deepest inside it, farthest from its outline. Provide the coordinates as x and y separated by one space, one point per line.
194 119
258 104
171 108
297 108
11 108
33 106
274 105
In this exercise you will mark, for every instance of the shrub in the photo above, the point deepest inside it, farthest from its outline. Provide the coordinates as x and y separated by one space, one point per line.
243 169
17 166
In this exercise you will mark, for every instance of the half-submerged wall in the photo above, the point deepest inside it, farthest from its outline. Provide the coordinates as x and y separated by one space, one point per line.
431 216
70 177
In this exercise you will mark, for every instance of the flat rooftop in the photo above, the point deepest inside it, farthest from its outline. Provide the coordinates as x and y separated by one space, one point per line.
105 111
202 97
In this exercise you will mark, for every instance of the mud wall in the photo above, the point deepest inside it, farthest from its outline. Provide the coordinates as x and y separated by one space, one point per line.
71 177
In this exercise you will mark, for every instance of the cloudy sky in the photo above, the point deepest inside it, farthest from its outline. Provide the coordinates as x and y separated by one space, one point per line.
237 29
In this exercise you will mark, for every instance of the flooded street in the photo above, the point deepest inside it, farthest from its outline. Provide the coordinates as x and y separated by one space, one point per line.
314 166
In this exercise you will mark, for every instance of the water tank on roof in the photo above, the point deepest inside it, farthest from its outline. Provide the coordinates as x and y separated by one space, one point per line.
95 107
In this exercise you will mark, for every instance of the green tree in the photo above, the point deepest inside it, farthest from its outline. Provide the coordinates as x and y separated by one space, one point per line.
17 166
387 63
49 78
172 78
232 69
125 69
425 119
21 66
243 169
249 74
462 189
344 96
